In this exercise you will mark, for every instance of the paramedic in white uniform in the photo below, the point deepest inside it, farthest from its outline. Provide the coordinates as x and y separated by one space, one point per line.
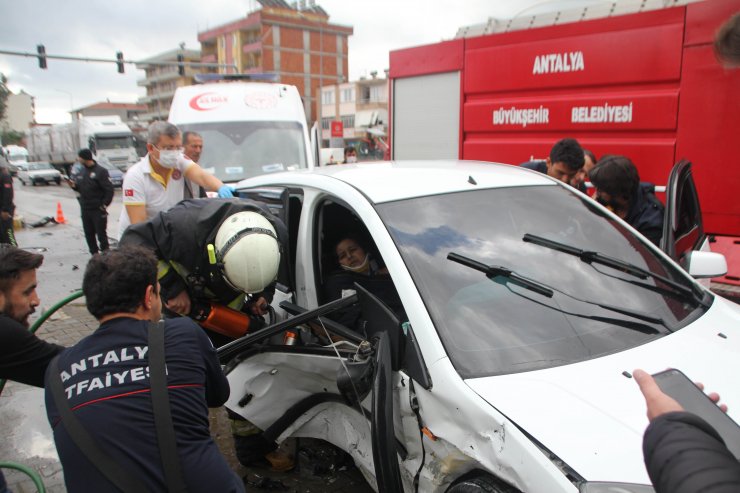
157 182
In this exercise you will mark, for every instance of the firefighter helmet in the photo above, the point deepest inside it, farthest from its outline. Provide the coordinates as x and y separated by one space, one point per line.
248 249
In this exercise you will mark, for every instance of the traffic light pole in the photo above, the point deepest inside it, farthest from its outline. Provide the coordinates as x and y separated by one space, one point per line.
119 61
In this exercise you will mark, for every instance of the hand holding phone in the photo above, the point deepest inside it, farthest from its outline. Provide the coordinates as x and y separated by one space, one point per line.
671 390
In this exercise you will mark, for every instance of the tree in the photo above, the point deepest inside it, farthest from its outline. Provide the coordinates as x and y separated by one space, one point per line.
4 93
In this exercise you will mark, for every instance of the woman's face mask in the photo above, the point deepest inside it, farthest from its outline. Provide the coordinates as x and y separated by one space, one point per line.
358 268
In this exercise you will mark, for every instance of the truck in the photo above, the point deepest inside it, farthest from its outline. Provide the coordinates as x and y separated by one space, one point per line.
646 85
106 136
249 128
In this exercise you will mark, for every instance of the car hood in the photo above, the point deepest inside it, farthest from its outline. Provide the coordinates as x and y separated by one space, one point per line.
593 417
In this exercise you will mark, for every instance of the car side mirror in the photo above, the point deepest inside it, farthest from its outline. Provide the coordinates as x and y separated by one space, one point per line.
702 265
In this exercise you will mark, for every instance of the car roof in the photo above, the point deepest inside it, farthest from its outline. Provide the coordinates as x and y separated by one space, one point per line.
398 180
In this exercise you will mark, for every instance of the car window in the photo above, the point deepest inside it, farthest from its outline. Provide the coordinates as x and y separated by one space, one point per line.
496 326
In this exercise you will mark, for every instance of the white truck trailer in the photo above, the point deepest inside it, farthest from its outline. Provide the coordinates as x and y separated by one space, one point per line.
106 136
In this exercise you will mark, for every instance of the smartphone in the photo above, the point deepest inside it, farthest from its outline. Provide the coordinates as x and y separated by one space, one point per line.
692 399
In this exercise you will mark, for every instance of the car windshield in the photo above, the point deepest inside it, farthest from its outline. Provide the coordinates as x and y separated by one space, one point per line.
234 151
38 166
539 307
119 142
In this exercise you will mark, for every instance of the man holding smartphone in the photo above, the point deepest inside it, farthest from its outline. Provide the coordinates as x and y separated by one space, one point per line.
683 453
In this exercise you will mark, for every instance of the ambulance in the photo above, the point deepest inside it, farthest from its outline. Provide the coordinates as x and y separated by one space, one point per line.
248 128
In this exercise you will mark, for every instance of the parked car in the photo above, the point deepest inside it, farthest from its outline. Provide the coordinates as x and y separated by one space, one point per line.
116 175
524 305
39 172
14 168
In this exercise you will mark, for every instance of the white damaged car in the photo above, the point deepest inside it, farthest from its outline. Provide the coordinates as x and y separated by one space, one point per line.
505 367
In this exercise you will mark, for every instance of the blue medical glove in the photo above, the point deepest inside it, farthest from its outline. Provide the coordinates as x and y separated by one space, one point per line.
226 192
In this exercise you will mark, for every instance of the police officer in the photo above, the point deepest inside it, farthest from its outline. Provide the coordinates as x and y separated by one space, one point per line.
96 193
7 207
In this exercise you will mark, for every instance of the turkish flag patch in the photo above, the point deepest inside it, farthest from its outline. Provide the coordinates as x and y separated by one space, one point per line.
129 192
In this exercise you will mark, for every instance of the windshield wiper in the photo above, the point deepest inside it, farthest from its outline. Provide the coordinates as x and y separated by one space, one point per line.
492 271
593 257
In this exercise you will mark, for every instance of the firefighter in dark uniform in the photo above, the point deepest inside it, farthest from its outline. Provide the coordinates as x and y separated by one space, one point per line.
212 254
96 193
7 208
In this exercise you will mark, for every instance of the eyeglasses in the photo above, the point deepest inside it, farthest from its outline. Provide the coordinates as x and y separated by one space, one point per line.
169 148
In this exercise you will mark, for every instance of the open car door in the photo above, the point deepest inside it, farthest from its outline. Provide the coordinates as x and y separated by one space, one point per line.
342 393
684 239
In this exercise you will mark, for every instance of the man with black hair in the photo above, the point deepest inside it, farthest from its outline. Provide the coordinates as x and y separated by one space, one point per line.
563 163
96 193
579 181
727 41
107 383
23 356
618 188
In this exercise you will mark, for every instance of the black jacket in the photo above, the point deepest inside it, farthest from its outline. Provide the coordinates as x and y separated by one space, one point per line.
683 454
646 213
181 235
23 356
106 379
6 191
94 187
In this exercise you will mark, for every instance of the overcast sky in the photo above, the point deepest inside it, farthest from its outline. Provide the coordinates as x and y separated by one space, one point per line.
141 29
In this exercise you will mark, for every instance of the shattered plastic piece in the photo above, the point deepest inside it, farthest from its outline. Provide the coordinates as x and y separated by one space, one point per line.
265 483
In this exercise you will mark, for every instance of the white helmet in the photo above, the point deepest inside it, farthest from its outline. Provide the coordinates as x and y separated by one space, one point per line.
248 248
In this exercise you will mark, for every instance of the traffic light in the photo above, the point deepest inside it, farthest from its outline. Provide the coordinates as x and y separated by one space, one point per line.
42 55
180 66
119 63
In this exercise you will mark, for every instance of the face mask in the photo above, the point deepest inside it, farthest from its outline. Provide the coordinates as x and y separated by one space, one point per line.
360 268
351 159
169 159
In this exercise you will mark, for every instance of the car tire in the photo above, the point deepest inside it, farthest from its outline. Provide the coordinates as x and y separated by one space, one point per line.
480 484
22 182
58 182
33 183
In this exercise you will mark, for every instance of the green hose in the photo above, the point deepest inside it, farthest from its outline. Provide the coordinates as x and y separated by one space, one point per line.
44 316
28 472
48 313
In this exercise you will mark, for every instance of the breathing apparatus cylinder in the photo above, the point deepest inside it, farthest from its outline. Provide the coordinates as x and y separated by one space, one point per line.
221 319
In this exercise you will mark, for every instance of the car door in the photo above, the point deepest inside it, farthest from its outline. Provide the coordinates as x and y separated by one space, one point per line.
683 229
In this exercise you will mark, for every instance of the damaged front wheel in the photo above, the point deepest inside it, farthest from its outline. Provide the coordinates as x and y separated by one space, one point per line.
480 484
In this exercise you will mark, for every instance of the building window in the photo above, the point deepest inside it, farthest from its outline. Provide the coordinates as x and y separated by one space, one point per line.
348 121
375 94
327 97
326 123
348 95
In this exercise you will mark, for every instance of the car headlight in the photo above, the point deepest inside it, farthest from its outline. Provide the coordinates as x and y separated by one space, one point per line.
604 487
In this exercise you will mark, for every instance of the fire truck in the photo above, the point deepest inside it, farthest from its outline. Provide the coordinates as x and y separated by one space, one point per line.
646 85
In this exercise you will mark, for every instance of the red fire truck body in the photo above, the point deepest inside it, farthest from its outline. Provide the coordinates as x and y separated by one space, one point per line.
645 85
